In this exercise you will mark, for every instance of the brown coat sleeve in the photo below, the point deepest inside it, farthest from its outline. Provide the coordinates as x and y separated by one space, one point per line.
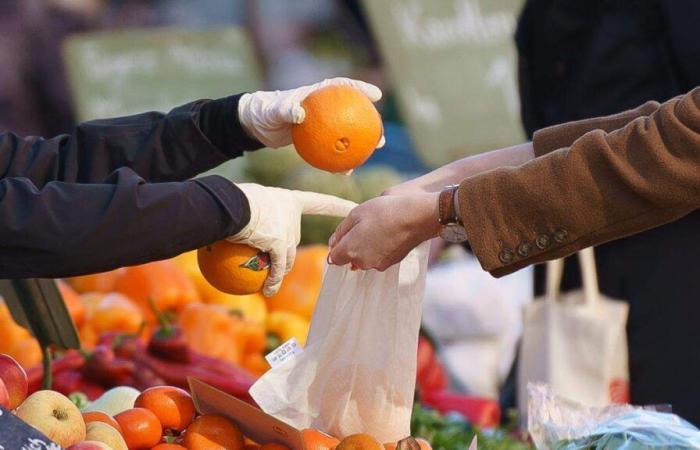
607 184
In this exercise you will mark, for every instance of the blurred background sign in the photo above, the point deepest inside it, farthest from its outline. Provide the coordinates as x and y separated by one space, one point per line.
453 64
129 72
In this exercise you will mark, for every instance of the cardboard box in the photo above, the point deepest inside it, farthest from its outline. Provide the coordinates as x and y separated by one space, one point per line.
253 422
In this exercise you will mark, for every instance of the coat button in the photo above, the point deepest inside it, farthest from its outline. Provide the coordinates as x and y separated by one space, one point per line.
561 235
506 256
524 249
542 241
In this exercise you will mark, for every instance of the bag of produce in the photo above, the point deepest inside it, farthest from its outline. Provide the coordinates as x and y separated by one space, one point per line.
560 424
357 372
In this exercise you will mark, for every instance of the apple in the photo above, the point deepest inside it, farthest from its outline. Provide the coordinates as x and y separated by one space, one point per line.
107 434
54 415
90 445
15 378
4 395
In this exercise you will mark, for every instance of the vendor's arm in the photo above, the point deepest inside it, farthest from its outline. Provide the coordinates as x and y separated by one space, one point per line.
605 186
158 147
64 229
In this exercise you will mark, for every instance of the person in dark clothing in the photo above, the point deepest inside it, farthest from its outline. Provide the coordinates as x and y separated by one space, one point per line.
116 192
586 59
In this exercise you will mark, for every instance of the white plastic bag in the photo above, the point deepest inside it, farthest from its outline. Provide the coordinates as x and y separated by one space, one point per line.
575 342
559 424
358 370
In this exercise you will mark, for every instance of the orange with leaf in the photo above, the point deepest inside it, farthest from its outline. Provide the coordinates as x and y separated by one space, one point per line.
234 268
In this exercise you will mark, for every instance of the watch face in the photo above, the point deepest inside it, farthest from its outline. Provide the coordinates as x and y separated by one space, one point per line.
453 233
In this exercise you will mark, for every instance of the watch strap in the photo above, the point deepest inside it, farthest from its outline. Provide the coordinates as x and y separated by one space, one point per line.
446 206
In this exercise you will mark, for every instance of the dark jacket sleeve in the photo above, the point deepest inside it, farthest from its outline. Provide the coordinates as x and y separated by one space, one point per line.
605 186
65 229
157 147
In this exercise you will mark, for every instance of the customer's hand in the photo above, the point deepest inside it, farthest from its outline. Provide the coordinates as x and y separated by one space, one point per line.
269 116
381 232
275 224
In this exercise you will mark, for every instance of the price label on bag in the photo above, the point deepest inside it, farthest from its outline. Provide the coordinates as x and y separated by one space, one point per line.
15 434
283 353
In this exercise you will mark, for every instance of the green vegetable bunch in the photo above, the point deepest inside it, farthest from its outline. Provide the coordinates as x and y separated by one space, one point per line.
447 433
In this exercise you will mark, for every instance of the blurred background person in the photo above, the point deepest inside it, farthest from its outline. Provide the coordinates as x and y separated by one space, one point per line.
590 59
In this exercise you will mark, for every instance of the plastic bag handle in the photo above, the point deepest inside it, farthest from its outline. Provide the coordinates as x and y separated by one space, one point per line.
589 277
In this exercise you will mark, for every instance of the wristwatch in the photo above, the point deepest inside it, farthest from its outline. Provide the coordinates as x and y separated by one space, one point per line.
452 229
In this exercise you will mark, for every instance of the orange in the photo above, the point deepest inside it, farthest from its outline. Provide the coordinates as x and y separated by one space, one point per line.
234 268
340 131
99 416
140 428
302 285
359 441
166 446
162 281
173 406
315 440
212 432
98 282
274 446
75 306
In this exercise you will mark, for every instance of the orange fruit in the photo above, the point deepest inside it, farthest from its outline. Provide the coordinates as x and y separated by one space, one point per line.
166 446
98 282
212 432
340 131
172 406
99 416
315 440
359 441
234 268
302 285
75 306
140 428
274 446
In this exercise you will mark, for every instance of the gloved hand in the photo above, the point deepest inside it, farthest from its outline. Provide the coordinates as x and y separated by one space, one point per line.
275 224
268 116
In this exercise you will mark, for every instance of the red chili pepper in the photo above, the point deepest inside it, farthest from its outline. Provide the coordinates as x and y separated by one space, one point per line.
70 360
236 382
144 378
105 368
169 342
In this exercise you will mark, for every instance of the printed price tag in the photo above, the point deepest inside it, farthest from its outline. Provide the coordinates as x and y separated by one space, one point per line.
15 434
283 353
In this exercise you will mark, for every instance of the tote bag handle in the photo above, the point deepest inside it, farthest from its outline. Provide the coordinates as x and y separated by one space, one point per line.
589 277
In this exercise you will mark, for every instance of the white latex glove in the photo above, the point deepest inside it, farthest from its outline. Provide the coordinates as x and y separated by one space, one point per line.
269 116
275 224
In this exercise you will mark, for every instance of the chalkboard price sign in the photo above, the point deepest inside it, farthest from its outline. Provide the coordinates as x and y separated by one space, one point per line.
452 63
15 434
132 71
